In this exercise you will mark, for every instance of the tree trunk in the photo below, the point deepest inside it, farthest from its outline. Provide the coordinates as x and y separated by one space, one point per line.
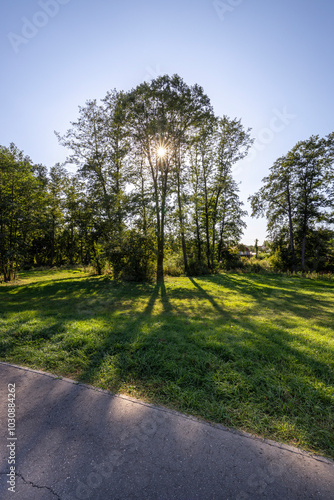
304 233
81 250
292 245
213 243
214 220
143 202
52 244
97 261
199 243
160 211
160 260
184 250
161 239
303 251
220 245
71 249
181 221
36 254
207 231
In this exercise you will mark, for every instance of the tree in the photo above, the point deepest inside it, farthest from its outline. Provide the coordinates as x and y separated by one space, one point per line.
276 200
99 145
58 178
221 144
296 196
256 248
162 114
154 162
21 201
73 216
233 143
313 163
230 217
202 168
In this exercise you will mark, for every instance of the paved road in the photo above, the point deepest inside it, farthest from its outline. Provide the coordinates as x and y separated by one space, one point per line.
78 443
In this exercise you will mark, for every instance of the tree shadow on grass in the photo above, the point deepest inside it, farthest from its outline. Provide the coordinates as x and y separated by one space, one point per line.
141 331
279 294
208 297
228 368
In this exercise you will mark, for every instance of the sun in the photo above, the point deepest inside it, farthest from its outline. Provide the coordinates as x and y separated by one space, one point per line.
161 151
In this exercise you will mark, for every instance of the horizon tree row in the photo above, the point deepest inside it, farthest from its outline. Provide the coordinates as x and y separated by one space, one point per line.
42 215
154 174
154 178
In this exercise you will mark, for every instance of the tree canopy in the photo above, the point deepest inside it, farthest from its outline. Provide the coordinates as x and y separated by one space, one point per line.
297 199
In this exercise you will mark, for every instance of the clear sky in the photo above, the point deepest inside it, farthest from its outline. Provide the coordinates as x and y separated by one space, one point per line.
267 62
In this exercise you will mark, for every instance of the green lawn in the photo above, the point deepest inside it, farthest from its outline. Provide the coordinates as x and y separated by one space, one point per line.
254 352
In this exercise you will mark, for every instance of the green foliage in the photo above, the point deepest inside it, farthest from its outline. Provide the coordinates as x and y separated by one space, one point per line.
297 199
133 259
174 265
126 198
230 259
280 259
115 144
197 268
123 185
22 205
217 211
320 250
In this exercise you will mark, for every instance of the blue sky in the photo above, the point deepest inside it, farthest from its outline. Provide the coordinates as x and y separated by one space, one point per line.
269 63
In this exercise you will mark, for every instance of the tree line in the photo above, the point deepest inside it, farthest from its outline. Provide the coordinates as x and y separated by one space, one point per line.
297 198
154 176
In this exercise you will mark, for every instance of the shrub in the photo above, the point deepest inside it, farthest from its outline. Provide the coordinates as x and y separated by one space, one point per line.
196 268
231 260
173 265
134 259
280 260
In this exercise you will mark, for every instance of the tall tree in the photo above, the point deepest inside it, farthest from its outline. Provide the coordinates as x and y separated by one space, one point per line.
232 145
277 201
58 178
161 114
99 146
221 144
21 199
230 217
313 164
296 196
202 169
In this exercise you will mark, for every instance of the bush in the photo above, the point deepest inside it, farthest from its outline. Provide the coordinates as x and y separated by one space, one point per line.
231 260
281 260
173 265
134 259
254 265
196 268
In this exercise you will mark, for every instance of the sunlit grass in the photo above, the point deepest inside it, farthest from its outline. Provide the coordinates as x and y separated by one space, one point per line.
254 352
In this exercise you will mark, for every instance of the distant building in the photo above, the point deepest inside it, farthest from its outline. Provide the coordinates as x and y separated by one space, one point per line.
243 250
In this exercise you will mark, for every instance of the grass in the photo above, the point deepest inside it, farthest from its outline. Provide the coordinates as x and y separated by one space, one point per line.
253 352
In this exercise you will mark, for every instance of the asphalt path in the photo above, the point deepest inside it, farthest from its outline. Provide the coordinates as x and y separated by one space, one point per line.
72 442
